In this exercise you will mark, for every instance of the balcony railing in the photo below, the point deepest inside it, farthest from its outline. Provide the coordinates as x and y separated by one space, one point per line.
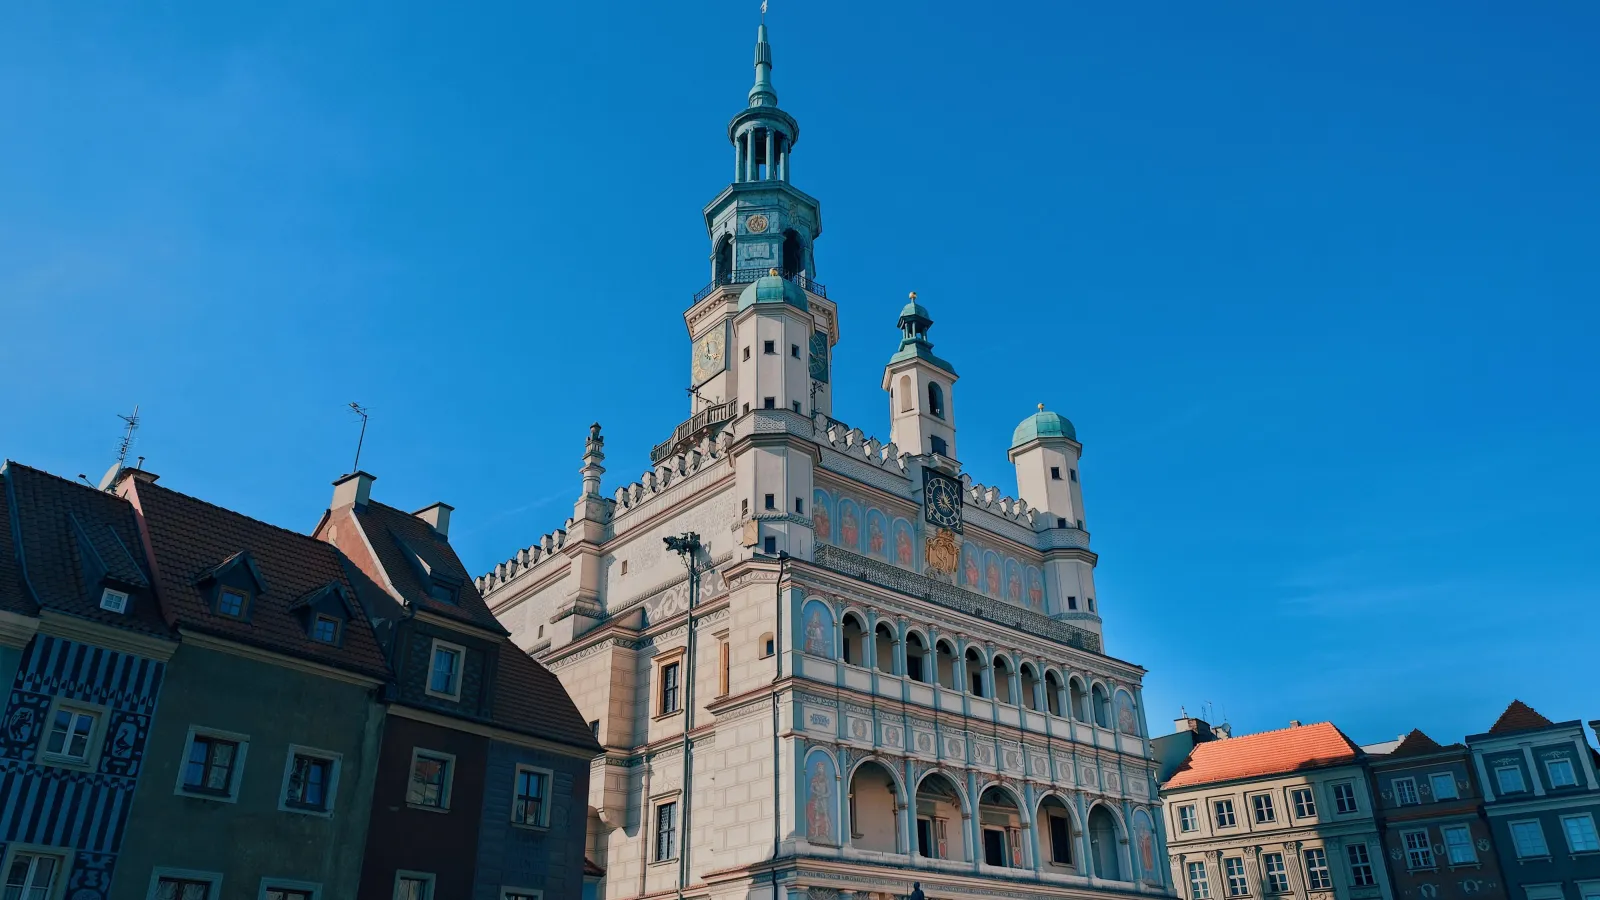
745 276
691 430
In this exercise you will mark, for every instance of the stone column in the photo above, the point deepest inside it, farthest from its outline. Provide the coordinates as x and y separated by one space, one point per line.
772 161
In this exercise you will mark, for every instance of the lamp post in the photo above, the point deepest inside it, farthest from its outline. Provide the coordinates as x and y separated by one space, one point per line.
687 546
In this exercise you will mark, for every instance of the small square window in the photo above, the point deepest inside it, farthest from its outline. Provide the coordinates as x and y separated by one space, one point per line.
1072 474
444 593
212 764
771 501
311 780
1344 797
412 886
1458 845
1510 779
325 629
769 402
1080 524
1529 839
1186 818
770 348
1305 806
431 775
747 353
1224 813
938 445
769 546
31 875
1055 473
1561 774
1061 522
530 803
188 886
797 406
800 505
444 670
73 735
1443 785
794 350
112 600
232 602
1264 810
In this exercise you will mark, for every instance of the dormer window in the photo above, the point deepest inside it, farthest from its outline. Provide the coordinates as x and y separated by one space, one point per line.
233 602
325 630
112 600
444 593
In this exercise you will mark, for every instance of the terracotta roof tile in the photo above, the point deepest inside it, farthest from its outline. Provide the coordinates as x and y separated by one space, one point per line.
190 537
529 698
74 541
404 542
1268 753
1519 716
1418 744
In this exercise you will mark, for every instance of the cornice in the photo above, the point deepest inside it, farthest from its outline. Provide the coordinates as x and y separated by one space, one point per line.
17 630
223 645
493 732
108 636
432 618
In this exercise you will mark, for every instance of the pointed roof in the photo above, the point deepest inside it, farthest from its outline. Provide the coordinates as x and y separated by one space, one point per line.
1415 743
412 554
1519 716
1292 749
762 92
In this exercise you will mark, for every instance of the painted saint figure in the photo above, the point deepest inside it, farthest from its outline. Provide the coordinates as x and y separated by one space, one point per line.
819 522
819 805
847 526
815 644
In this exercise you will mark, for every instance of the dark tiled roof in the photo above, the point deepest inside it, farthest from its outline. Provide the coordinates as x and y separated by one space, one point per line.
1418 744
591 870
14 597
1519 716
73 538
403 544
530 699
1268 753
190 538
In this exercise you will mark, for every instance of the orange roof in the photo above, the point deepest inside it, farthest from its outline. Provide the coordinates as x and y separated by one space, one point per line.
1268 753
1418 744
1519 716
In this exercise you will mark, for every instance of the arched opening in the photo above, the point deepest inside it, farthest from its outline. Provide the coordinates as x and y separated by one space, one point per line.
916 658
938 832
1101 705
853 647
1103 845
1052 693
945 659
975 673
874 809
722 260
1127 715
1078 700
793 260
935 399
768 645
1057 841
907 395
1030 686
1002 680
884 647
1001 824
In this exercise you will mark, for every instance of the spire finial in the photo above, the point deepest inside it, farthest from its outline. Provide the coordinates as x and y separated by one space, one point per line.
913 295
1041 407
762 93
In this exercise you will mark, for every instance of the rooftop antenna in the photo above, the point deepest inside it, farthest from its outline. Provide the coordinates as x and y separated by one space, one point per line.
361 411
130 425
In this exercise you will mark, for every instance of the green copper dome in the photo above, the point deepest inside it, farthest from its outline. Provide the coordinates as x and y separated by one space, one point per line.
916 310
772 288
1043 424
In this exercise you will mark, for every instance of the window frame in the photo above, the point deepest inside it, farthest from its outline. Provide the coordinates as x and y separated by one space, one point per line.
64 856
673 833
517 893
288 884
674 691
1550 774
1419 858
549 781
236 769
1262 803
1199 880
1411 783
1187 821
1339 798
1238 884
446 789
1216 813
1451 847
1516 842
1277 881
1306 810
330 789
437 645
212 879
93 745
427 879
1499 779
245 598
1361 872
1433 786
338 628
1593 834
121 606
1325 881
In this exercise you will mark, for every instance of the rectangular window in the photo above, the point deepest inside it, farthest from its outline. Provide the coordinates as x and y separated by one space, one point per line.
442 592
1581 837
669 688
1419 849
994 847
769 546
1060 841
1360 866
1458 845
1186 819
747 353
1405 791
800 505
796 406
1238 884
1318 878
520 894
33 876
113 600
1072 602
1561 774
937 444
325 629
280 892
724 665
1224 811
444 670
769 402
771 501
794 350
172 888
1055 473
210 766
310 782
594 728
1443 785
769 348
1344 797
1509 778
1305 806
744 507
413 886
72 734
1262 804
1277 872
1199 887
1529 839
530 804
1072 474
430 779
666 832
232 602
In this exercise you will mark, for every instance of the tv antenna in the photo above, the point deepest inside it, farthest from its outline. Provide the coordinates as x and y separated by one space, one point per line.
130 425
361 411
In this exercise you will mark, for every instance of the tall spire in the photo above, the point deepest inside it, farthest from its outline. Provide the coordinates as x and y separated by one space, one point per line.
762 93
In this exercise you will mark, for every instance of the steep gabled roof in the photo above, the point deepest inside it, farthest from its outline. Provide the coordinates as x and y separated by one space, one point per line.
529 698
1519 716
1416 743
1268 753
14 597
191 538
70 540
408 548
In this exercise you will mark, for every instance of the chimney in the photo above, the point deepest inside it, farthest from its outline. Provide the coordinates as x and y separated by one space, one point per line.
139 475
1294 723
352 490
437 516
1223 731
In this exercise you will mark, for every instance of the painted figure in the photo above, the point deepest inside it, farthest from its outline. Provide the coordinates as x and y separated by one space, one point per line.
1145 836
874 535
1035 590
902 544
1127 721
819 520
819 804
994 578
1014 588
816 644
973 578
848 531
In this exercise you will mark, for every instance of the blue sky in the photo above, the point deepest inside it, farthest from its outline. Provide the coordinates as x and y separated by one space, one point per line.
1316 282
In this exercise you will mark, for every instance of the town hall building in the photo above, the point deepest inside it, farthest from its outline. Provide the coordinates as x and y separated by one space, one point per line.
826 666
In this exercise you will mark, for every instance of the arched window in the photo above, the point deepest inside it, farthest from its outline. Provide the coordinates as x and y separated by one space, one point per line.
935 399
722 263
945 658
768 645
793 262
916 662
1079 700
975 673
1001 822
1103 844
1002 681
1030 686
1052 693
884 645
854 648
939 831
1102 706
907 395
1056 837
874 809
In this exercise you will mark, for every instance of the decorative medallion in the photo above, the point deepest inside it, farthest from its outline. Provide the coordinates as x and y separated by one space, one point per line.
943 553
756 224
941 500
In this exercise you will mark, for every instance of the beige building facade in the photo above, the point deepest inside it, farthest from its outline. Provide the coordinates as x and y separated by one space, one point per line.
824 666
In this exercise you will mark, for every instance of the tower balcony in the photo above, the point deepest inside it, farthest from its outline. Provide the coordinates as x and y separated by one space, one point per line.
746 276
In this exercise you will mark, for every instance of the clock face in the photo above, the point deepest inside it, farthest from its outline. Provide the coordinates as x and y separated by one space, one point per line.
819 356
941 498
710 355
756 224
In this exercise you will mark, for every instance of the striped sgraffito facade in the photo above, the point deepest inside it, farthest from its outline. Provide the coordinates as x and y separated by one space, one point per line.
79 812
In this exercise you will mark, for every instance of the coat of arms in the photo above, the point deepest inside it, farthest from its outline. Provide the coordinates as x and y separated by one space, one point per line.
943 553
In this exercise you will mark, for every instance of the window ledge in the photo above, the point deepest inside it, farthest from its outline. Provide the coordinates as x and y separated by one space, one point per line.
1466 865
669 861
422 807
658 717
216 797
1583 854
1529 859
430 692
64 762
525 826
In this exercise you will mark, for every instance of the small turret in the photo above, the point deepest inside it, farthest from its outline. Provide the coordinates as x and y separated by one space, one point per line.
1045 451
921 388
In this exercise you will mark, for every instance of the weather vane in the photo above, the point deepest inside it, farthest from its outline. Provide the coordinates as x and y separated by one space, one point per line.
763 11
